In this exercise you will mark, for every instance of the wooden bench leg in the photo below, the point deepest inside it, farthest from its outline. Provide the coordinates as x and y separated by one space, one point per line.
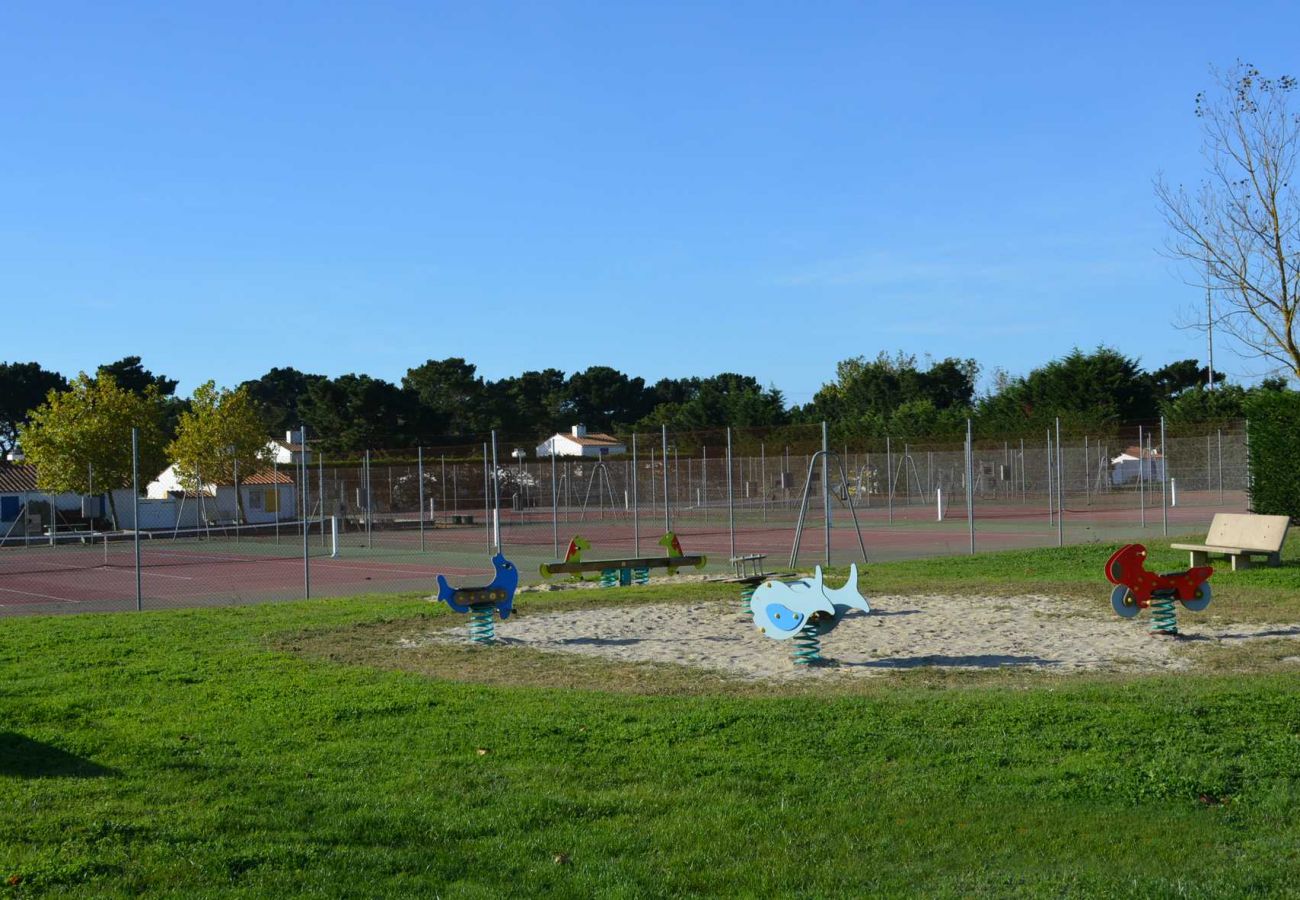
1240 561
1199 558
1275 559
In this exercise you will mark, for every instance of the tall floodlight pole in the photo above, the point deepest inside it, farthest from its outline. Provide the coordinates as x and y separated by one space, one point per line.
1209 336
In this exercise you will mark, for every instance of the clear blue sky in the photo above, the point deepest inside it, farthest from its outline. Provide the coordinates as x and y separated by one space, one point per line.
671 189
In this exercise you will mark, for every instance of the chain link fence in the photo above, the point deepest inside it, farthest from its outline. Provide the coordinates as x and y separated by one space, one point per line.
322 524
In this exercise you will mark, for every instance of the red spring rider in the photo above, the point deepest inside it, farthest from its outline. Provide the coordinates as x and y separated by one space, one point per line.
1136 588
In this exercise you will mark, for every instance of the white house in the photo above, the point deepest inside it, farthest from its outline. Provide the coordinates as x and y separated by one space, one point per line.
1135 463
266 494
289 451
579 443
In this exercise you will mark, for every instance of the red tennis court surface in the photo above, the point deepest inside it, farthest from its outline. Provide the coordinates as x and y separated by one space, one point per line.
393 561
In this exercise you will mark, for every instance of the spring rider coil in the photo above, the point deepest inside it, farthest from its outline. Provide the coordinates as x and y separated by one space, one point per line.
1137 589
802 611
746 598
480 602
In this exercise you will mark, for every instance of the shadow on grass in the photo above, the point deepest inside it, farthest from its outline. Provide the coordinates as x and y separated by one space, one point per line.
25 758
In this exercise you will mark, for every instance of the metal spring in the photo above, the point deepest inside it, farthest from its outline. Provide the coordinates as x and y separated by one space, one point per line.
609 578
747 595
482 630
641 575
1163 617
807 647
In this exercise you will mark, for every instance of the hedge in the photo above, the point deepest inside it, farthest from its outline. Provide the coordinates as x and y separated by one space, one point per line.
1274 452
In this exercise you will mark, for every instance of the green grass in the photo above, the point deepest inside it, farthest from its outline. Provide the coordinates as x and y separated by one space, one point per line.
254 751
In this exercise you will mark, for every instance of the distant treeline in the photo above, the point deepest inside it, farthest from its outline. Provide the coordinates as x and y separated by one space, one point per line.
446 403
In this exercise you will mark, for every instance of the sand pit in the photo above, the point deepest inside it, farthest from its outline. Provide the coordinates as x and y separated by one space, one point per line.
973 633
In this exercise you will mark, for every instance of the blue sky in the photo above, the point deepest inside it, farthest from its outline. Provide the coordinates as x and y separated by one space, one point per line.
671 189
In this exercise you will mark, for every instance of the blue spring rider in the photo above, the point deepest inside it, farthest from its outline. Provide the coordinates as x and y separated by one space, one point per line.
804 610
480 601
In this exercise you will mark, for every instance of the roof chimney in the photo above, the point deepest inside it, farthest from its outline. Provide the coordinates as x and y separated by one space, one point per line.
579 431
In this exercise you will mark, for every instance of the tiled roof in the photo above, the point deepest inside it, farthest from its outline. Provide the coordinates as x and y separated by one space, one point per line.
17 478
594 439
266 476
1142 453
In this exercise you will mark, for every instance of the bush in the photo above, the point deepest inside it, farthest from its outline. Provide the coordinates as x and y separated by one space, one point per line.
1274 452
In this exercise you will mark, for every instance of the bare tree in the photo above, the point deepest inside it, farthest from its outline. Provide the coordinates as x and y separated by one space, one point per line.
1242 228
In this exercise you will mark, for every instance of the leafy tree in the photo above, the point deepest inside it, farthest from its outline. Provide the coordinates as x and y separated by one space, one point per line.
452 399
1169 381
23 387
1090 391
1198 405
1241 231
867 393
221 434
530 404
131 375
357 412
727 399
278 396
603 398
86 429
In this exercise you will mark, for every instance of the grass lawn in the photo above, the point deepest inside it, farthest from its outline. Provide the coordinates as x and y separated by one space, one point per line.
264 751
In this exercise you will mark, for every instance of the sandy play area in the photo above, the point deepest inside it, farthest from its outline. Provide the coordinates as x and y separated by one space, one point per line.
965 632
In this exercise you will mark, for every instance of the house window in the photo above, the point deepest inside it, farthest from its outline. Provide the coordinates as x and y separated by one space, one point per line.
255 499
273 500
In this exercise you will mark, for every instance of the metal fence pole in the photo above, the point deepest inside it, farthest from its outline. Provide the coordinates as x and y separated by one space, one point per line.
704 481
826 490
320 484
370 537
1060 488
1051 513
889 478
496 496
1220 435
636 518
762 477
1142 497
1023 489
135 513
970 485
555 508
731 501
487 501
419 476
1087 474
663 449
306 554
1164 478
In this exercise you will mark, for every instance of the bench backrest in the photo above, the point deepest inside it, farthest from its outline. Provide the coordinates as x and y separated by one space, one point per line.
1247 531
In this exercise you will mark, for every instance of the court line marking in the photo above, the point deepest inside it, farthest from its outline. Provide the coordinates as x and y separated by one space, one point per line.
43 596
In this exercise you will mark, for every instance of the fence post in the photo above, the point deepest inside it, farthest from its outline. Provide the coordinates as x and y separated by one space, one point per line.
1142 497
826 490
731 502
1051 488
306 554
762 477
1220 435
1060 488
419 476
555 508
135 513
1164 479
889 478
636 517
970 485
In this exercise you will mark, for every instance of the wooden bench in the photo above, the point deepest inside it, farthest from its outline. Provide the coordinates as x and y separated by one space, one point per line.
749 565
1240 536
630 570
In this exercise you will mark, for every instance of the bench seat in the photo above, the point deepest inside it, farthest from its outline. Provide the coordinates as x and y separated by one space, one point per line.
1239 537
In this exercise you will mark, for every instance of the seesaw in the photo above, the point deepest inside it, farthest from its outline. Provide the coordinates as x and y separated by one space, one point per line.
627 570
